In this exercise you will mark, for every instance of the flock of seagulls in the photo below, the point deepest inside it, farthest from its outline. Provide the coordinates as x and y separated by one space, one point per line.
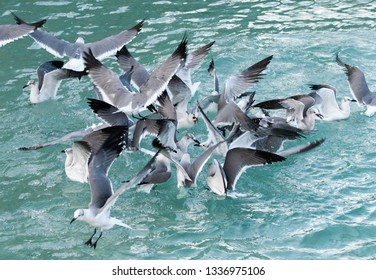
141 109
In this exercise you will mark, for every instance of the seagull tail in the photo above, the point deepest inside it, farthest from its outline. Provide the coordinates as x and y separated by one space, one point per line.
120 223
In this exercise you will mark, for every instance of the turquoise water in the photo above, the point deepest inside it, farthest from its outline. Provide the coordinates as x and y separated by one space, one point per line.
317 205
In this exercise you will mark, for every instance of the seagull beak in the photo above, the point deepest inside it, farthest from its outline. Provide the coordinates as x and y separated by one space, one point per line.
320 116
25 86
353 100
195 119
73 220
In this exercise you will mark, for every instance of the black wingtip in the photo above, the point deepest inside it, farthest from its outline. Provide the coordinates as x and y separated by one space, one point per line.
269 157
36 25
123 52
181 50
319 86
138 26
89 60
18 19
96 104
340 62
211 67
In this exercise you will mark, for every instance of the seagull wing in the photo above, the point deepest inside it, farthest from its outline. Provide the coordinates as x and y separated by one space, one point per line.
197 165
9 33
106 145
213 73
55 46
160 77
216 179
239 159
106 81
110 45
110 114
236 85
133 182
127 62
80 157
357 81
302 148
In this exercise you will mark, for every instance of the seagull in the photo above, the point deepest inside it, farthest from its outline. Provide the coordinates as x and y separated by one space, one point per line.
299 108
161 170
161 123
100 49
358 87
10 32
102 195
223 178
299 116
160 173
328 107
50 75
113 91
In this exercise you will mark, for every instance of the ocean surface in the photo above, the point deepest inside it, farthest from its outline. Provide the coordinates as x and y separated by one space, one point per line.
316 205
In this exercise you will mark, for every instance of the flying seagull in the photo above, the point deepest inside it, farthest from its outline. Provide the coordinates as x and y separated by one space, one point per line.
102 195
101 49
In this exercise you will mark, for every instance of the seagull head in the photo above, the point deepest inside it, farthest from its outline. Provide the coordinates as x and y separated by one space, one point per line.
194 118
67 151
192 138
317 113
349 99
29 83
80 40
77 215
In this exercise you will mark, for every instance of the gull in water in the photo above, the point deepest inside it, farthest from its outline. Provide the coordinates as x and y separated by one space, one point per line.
329 108
359 88
101 49
50 75
303 119
113 92
222 178
102 195
11 32
300 110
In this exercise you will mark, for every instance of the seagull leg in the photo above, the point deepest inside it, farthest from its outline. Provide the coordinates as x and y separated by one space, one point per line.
95 243
89 242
